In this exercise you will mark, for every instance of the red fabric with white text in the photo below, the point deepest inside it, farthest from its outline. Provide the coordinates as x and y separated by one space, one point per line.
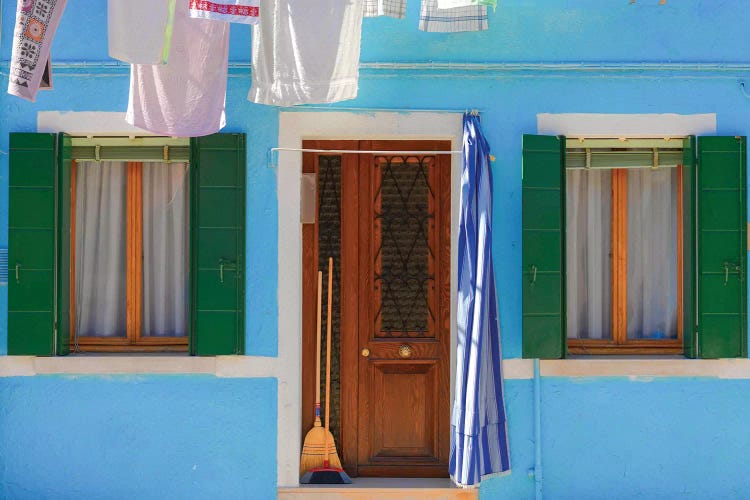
232 11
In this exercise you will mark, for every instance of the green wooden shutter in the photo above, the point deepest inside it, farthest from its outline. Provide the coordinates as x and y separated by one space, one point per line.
543 240
64 160
32 244
688 244
218 245
722 247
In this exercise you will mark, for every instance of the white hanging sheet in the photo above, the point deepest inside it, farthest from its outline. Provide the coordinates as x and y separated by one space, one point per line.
186 96
306 52
140 31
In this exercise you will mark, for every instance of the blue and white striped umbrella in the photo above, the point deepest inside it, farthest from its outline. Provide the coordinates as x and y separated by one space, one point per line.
479 437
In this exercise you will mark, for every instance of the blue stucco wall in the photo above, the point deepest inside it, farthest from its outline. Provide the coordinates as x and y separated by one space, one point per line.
617 438
137 437
114 437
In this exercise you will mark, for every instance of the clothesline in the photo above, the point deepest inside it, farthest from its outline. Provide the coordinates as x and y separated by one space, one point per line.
375 152
326 71
272 164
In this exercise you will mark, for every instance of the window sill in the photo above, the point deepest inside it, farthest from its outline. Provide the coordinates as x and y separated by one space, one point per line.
260 367
139 364
645 367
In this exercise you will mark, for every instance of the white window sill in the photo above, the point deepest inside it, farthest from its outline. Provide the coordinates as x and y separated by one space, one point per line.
139 364
258 367
646 367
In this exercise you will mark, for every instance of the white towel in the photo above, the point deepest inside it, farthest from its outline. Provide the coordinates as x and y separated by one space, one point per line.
140 31
184 97
231 11
306 51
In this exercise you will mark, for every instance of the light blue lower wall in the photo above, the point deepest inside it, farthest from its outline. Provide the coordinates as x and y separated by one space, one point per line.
627 439
186 437
126 437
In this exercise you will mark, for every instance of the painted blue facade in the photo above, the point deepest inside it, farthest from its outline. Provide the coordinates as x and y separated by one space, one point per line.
137 437
114 437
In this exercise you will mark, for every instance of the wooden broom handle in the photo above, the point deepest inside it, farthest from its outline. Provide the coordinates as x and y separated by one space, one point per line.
318 339
328 355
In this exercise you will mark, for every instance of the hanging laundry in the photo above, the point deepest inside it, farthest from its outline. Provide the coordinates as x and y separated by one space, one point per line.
389 8
306 51
452 4
436 20
140 31
231 11
186 96
36 23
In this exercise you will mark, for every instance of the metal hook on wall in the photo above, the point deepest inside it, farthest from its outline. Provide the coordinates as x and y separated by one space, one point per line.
742 89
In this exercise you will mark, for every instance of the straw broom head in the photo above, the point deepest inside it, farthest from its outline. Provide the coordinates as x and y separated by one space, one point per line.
313 451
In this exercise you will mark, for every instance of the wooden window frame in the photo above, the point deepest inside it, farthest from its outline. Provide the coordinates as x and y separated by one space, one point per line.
619 343
134 341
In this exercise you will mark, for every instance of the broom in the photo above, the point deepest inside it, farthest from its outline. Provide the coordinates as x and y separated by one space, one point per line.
312 451
331 472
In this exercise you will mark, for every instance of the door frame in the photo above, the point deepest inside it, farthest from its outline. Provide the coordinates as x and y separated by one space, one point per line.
353 373
294 127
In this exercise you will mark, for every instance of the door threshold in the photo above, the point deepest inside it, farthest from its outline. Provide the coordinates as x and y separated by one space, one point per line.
382 488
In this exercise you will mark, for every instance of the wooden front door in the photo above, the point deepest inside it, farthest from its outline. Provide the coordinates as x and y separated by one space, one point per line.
394 306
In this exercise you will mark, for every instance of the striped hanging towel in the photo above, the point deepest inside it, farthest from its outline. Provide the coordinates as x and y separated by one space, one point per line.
436 20
388 8
36 23
452 4
231 11
479 434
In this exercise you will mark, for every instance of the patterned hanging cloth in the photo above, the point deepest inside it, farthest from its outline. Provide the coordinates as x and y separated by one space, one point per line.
36 23
479 435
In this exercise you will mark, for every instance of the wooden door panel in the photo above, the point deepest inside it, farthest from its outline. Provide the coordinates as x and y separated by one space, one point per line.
404 421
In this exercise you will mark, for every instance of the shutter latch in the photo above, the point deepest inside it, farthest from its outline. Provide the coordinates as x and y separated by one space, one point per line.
735 268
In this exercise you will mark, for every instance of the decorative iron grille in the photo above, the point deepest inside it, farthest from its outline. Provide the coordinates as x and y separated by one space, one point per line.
404 228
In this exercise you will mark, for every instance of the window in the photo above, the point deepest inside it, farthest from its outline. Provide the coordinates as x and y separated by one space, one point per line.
623 261
130 264
634 260
74 205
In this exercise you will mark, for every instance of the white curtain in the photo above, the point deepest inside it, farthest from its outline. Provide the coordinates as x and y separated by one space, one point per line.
165 249
588 248
100 260
652 254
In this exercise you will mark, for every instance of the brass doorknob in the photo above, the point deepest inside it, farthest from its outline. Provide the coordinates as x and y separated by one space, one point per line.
405 351
365 352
